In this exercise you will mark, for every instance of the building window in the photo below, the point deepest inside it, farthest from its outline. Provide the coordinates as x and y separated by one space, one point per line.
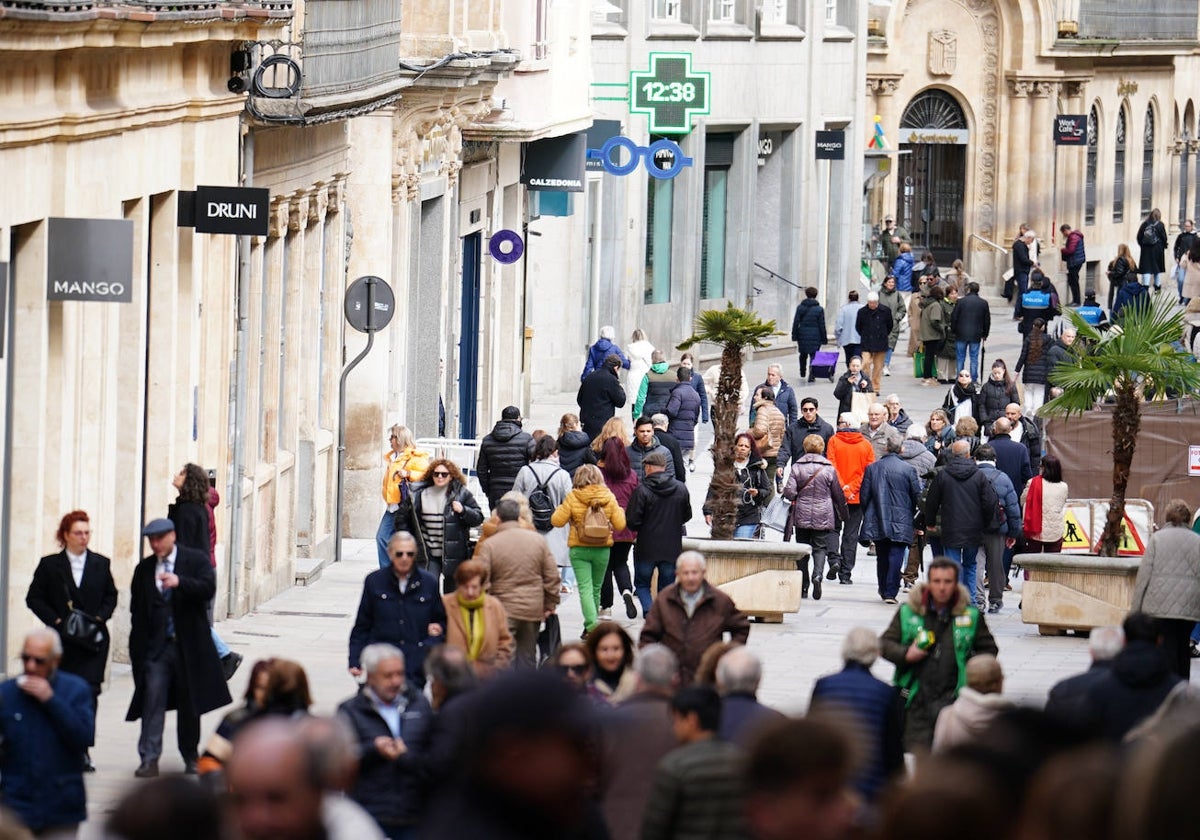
1196 192
659 201
1148 163
1118 206
541 26
1089 185
1183 174
667 10
718 158
776 13
831 12
723 11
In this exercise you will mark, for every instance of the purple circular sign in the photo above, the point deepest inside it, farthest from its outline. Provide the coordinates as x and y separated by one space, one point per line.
506 246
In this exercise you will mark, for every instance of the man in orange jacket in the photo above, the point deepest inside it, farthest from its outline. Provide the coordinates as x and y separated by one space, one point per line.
849 452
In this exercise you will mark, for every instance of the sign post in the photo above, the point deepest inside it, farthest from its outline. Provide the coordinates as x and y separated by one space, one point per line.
1069 130
670 93
369 307
830 146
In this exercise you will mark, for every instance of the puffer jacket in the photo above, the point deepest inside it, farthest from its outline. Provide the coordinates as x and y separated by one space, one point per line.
597 354
808 326
683 413
793 440
409 465
1007 495
576 505
993 398
456 527
572 450
965 500
769 428
637 452
502 453
654 391
919 458
1036 371
902 268
1168 581
894 302
889 496
749 508
816 494
901 422
1054 506
850 452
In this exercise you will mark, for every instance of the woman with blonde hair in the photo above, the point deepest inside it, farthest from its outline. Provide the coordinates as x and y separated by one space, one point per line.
573 443
589 538
405 465
441 513
640 351
613 427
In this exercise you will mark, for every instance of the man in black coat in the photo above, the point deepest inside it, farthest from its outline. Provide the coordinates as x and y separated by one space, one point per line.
502 453
810 423
1067 700
874 325
600 395
1135 686
970 321
661 422
1026 432
658 509
1012 458
175 664
966 503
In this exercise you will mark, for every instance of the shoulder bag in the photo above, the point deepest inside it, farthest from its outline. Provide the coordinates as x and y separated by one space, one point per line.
81 629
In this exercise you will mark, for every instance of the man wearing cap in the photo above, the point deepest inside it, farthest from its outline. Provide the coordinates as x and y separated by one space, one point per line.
502 453
174 662
874 325
890 237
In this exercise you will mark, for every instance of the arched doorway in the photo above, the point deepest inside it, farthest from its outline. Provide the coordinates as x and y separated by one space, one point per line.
929 203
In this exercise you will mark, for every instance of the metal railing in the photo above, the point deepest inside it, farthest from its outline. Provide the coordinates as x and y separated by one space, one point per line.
988 242
350 45
162 10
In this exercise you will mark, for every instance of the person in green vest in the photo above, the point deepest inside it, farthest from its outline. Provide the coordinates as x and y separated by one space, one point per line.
929 641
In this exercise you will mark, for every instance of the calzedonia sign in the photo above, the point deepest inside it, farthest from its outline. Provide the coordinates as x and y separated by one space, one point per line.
90 260
240 211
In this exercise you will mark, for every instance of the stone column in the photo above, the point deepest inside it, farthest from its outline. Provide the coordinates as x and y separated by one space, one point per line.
1016 193
883 89
1041 162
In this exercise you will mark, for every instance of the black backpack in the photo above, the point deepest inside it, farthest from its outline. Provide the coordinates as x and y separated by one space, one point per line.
541 506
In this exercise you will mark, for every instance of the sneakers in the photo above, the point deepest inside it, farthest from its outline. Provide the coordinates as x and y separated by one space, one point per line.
691 466
995 608
890 601
887 371
1193 650
605 613
630 605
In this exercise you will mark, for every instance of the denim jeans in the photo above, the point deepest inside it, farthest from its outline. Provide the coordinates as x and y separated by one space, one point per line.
889 559
966 560
387 527
219 644
643 572
964 348
745 532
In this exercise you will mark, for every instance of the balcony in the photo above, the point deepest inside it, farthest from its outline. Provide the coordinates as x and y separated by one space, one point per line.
145 11
350 45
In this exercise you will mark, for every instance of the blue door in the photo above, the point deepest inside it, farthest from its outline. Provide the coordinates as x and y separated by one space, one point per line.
468 336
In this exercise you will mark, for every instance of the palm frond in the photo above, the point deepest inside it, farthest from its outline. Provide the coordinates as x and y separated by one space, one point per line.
730 326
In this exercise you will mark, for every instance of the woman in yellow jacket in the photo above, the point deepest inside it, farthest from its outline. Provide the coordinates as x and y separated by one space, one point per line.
405 463
589 551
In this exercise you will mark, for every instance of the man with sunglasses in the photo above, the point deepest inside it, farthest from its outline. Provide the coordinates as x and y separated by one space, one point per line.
809 423
400 606
47 723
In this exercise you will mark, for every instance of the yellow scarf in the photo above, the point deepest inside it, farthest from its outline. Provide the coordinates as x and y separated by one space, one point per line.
472 616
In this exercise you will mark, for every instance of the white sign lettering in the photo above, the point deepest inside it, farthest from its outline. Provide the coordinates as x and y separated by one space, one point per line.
224 210
87 287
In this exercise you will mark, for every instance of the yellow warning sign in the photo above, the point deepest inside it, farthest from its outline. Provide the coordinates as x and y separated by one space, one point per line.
1074 537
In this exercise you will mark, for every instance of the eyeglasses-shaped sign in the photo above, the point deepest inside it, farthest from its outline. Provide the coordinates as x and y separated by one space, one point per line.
664 158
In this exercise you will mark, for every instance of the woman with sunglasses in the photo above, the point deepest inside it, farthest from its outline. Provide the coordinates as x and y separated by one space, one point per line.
751 485
573 662
441 512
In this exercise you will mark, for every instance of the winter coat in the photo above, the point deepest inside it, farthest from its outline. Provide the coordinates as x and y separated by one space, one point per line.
640 358
848 385
1191 279
1031 438
497 650
993 398
635 737
846 329
696 793
391 791
785 400
683 413
1034 372
637 452
1012 459
658 509
964 499
623 489
901 422
878 438
576 506
914 323
678 466
53 585
964 721
502 453
769 428
598 399
902 270
597 353
1007 495
878 711
41 765
654 391
522 572
456 527
919 458
749 508
1022 260
741 718
409 465
971 320
1129 294
933 324
701 389
402 619
715 615
815 491
1068 699
850 453
1152 258
1073 252
188 604
1054 506
889 497
874 327
893 301
1129 692
808 326
1168 579
792 447
572 450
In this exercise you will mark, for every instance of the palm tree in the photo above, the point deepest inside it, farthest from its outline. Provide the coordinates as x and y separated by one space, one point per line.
734 329
1135 361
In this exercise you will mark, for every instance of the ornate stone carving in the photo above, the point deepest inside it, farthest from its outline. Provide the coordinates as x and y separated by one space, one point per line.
1044 88
298 212
318 204
278 223
1020 87
943 52
883 85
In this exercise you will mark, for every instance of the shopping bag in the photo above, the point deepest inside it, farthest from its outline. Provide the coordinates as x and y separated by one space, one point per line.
776 515
859 403
919 364
550 639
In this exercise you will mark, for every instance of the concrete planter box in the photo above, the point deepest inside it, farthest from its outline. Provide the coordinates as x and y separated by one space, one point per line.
761 577
1076 591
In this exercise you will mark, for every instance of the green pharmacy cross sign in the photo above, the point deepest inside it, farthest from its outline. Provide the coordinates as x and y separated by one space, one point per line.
670 92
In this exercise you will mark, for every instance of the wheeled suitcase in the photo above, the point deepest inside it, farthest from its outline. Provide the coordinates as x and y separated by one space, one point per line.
824 363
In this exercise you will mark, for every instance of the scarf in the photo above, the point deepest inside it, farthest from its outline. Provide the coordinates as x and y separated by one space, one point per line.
472 616
1032 524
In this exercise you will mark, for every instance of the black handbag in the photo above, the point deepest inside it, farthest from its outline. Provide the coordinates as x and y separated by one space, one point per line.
549 640
83 630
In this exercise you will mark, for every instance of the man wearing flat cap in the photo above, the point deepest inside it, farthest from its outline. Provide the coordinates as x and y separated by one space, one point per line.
175 664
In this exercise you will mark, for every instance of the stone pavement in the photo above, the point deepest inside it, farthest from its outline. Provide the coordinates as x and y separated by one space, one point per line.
311 624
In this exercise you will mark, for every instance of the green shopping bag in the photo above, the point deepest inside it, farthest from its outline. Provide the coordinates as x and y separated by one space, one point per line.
919 364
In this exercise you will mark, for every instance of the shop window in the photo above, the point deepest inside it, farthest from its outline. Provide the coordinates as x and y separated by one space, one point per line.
718 158
659 214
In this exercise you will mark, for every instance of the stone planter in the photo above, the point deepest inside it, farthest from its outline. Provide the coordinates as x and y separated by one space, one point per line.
761 577
1076 591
